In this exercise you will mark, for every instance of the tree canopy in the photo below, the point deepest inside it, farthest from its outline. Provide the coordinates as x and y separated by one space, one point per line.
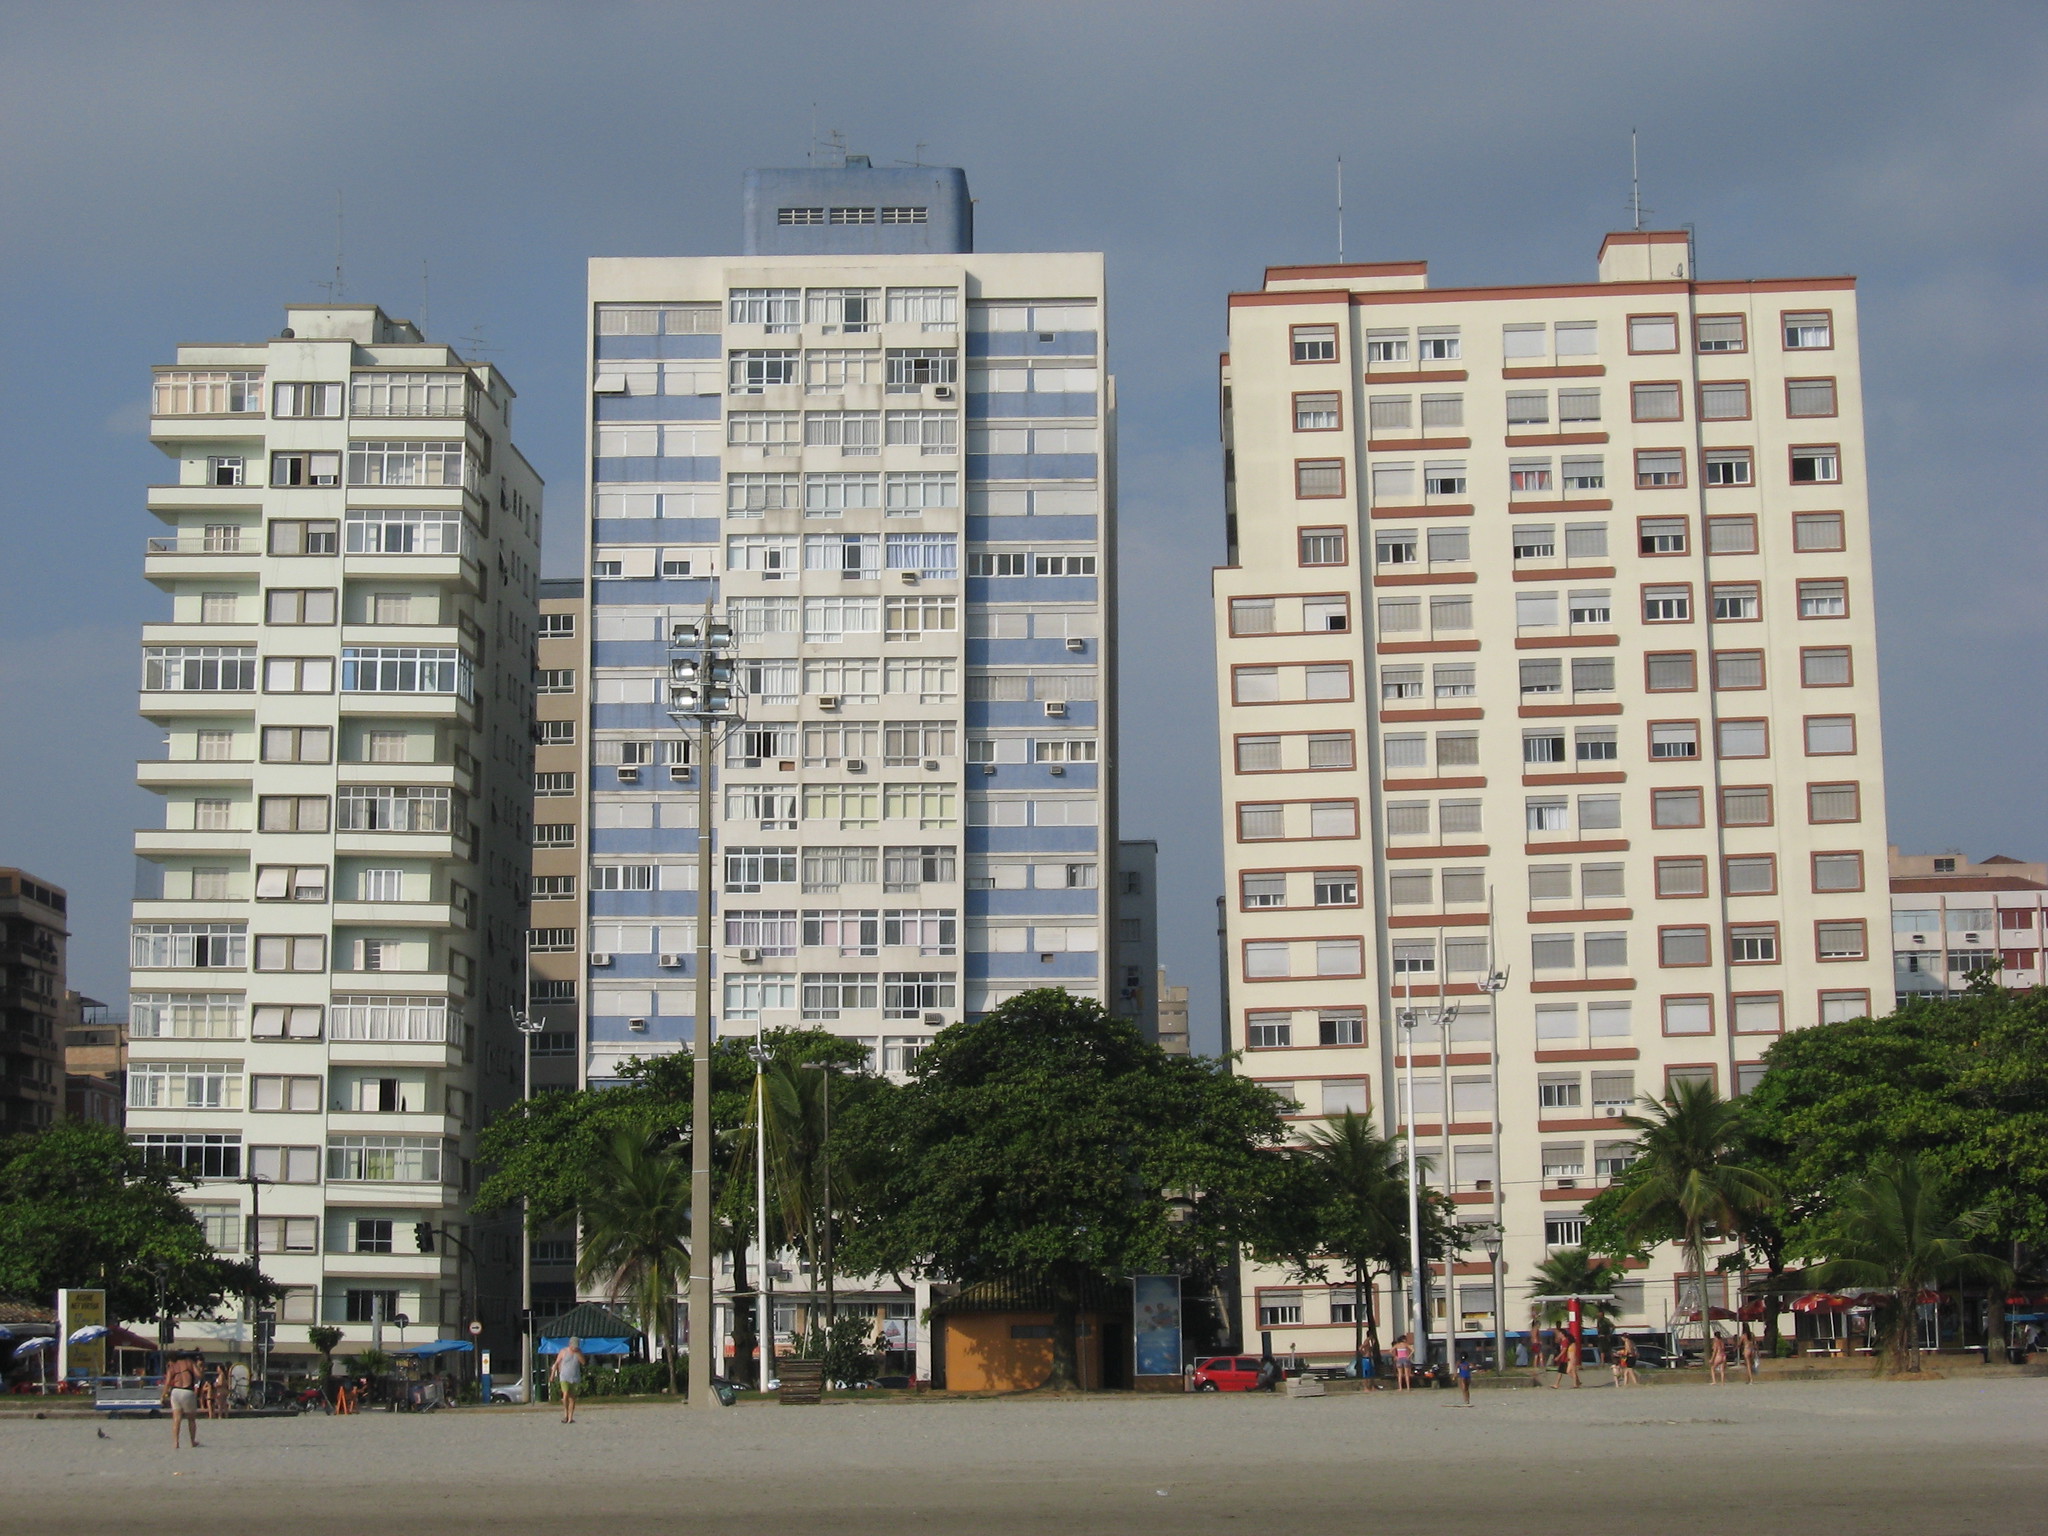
82 1207
1049 1140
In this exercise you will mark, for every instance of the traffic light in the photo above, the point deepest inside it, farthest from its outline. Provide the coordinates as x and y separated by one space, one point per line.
266 1329
423 1236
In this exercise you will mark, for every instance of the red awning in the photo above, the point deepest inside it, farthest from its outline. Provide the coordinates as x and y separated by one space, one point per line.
1820 1301
122 1338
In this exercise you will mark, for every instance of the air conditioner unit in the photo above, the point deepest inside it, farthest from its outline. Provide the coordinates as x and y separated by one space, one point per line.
1076 643
1610 1111
828 701
672 962
628 773
1057 770
931 765
935 1020
856 765
988 768
679 770
638 1026
1484 1186
600 958
1340 621
786 766
750 762
942 391
750 957
1055 708
908 578
1567 1183
1971 938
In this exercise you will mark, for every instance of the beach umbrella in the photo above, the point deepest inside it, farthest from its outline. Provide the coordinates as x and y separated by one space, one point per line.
1820 1301
91 1334
30 1346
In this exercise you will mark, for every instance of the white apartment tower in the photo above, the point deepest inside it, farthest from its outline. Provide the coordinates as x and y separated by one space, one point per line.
328 940
888 460
1545 648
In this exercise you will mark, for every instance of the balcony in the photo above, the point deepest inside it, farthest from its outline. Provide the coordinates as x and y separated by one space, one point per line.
177 840
156 773
169 704
412 845
399 914
187 555
461 570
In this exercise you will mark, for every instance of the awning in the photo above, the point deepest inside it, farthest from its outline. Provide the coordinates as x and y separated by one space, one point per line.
1820 1301
436 1347
589 1346
123 1338
1718 1314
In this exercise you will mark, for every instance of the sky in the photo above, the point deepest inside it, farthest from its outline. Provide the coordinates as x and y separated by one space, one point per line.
170 172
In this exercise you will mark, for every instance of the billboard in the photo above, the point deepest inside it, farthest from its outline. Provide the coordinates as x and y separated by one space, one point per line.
77 1310
1155 1324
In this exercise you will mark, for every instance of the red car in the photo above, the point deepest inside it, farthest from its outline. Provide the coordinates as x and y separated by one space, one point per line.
1227 1373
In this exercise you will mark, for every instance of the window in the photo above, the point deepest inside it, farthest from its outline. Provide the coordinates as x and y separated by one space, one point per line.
1688 1015
554 834
1445 479
1735 601
304 468
1842 940
1320 412
1437 344
1823 599
291 813
1750 874
291 952
1727 466
910 369
1809 330
287 882
195 392
857 434
1734 535
1816 465
1676 808
1753 944
1318 478
1653 333
1386 346
1667 605
1833 802
294 536
297 743
285 1095
406 669
1809 397
930 432
1584 472
1837 872
1830 735
1658 467
185 1085
1529 476
938 309
1681 877
1314 343
1682 946
1655 402
1817 532
1724 401
1738 669
1662 535
1742 738
385 1159
1336 888
1746 806
1825 667
1720 333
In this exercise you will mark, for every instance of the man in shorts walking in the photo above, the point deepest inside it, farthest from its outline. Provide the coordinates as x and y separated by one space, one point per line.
181 1393
568 1371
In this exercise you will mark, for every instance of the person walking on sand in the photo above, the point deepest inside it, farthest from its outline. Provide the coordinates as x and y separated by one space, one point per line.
1465 1381
1717 1361
182 1380
1750 1356
568 1371
1560 1364
1404 1363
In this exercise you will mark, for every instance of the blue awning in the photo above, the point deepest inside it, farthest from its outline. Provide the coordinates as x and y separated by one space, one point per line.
590 1346
436 1347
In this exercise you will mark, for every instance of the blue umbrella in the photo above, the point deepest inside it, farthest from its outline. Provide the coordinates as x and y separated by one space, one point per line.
89 1334
27 1346
6 1332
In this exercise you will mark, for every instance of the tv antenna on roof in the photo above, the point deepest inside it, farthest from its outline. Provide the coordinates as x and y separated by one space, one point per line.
1340 210
1635 184
337 288
474 345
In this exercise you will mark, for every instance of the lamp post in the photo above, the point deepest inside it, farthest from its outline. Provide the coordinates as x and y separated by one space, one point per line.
1490 1241
1410 1019
528 1026
255 1181
764 1317
702 695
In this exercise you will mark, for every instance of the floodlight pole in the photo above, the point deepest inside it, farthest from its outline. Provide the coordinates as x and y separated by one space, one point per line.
701 695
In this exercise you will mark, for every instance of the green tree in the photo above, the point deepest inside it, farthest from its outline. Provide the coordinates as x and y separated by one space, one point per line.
1961 1081
82 1206
1355 1190
1895 1231
1578 1272
327 1341
1685 1180
636 1233
1049 1141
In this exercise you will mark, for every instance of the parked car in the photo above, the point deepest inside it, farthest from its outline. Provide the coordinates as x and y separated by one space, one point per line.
1227 1373
508 1391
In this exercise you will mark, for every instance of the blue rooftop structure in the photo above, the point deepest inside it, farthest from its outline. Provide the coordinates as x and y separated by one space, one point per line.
857 209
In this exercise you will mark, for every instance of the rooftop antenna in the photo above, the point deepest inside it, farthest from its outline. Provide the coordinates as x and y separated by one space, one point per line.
336 287
811 156
917 152
473 344
1635 181
1340 210
424 292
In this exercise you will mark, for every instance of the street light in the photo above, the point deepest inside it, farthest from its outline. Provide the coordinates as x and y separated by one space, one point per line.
1496 983
528 1026
764 1318
1410 1019
704 696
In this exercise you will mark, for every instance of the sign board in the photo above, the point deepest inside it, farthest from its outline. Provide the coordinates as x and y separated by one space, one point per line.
1155 1324
475 1329
896 1333
76 1310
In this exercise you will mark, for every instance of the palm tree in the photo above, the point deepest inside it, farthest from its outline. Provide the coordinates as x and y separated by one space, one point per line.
1577 1272
327 1341
636 1223
1893 1232
1686 1179
1362 1209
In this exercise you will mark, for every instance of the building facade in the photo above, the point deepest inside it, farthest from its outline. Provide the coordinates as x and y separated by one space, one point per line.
327 952
33 935
1547 670
888 460
1954 918
95 1061
555 948
1137 934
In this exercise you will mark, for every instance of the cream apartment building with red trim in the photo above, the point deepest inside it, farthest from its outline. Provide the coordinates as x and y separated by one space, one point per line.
1545 650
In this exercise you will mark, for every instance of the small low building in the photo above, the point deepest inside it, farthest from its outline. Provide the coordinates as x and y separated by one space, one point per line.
996 1336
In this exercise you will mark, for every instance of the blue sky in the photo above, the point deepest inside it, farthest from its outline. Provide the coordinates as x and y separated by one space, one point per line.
171 174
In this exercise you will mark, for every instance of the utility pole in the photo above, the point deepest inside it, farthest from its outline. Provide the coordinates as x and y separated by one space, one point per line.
701 694
528 1026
